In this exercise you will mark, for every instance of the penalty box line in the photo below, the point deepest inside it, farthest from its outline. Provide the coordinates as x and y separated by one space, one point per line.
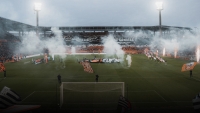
28 96
129 91
151 91
72 77
160 95
195 78
34 92
136 91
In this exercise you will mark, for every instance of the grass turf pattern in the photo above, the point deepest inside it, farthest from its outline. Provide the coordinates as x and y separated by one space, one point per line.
147 83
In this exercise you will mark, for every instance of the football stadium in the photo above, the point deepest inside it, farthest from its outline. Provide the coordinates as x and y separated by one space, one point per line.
98 69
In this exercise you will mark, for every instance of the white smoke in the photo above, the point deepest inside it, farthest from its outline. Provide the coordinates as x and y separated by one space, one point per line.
177 42
129 60
180 42
197 54
56 44
163 51
73 50
111 47
138 37
31 44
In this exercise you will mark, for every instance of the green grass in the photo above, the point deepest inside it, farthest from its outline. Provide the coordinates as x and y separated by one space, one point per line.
147 83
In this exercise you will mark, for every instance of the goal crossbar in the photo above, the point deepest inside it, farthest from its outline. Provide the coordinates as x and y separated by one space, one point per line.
90 83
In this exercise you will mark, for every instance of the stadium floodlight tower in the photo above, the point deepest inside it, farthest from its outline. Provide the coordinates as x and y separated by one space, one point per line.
159 6
37 8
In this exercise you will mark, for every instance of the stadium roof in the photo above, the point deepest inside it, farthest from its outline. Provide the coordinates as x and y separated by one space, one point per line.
121 28
10 25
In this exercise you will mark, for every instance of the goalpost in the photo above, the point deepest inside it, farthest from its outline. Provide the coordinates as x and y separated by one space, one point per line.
97 87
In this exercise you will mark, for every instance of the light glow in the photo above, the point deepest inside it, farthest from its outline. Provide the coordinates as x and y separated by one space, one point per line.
157 53
163 51
159 5
175 52
197 54
38 6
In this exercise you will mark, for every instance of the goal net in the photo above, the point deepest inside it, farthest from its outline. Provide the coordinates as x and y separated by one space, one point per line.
93 94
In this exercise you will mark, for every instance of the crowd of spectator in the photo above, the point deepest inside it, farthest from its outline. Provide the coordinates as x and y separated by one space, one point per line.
5 52
8 44
100 49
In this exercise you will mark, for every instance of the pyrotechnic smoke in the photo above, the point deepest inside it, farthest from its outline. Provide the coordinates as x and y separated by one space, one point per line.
157 53
175 43
139 37
73 50
175 52
31 44
111 47
183 42
168 45
163 51
129 60
56 44
197 54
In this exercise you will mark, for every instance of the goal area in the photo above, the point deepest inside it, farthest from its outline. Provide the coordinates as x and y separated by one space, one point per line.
90 94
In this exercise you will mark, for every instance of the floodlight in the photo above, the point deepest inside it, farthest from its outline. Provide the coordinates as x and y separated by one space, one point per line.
37 9
159 5
38 6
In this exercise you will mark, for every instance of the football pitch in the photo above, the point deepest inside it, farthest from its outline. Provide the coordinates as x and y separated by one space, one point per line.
148 84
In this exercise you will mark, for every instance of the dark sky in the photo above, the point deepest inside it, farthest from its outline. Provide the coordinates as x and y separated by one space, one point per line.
184 13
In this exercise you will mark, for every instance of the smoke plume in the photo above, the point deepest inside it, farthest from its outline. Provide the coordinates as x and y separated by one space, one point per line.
31 44
111 47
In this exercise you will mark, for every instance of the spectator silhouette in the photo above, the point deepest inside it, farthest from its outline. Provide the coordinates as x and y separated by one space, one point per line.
59 78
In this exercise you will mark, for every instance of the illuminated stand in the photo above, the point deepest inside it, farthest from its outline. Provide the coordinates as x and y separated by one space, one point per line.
37 8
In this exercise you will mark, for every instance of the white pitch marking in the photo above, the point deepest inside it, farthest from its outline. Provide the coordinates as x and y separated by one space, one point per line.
196 79
160 95
27 62
28 95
